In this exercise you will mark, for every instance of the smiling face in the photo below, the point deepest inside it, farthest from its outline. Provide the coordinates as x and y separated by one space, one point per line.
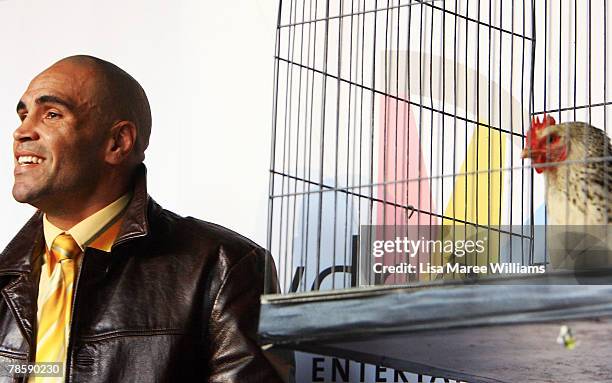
59 146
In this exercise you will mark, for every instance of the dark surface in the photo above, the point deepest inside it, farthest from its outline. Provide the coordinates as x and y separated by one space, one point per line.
478 333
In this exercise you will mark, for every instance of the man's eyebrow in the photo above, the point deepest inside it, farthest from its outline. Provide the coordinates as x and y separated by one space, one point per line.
50 99
46 99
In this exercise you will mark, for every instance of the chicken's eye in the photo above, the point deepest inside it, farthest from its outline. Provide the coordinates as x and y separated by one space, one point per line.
552 139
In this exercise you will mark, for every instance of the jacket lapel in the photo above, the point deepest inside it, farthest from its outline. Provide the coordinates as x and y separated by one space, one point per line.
17 281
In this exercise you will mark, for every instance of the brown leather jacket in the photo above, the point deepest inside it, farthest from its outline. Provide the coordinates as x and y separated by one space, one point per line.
177 300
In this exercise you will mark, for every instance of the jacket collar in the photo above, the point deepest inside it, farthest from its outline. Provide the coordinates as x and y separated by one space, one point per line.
17 256
136 221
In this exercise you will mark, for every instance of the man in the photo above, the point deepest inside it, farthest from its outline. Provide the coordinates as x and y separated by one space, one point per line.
102 279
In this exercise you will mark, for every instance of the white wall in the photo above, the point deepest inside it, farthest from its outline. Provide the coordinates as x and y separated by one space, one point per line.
207 68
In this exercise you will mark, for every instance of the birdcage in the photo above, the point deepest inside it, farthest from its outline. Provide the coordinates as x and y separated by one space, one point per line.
392 118
403 120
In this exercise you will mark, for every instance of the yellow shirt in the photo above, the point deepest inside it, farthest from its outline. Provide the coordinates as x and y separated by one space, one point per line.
99 231
89 229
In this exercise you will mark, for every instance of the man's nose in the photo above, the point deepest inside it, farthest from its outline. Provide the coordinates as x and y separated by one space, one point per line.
26 131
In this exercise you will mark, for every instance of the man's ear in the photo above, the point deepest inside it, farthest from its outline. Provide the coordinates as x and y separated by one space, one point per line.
122 142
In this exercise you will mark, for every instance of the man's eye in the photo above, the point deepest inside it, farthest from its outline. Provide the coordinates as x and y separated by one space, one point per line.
52 115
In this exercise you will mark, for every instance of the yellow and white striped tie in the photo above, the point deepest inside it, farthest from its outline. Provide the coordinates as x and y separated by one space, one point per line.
54 313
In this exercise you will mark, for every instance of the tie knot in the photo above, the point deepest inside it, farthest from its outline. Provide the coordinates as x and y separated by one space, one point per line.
64 247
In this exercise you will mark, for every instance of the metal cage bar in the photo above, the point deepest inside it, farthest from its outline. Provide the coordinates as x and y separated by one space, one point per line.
390 114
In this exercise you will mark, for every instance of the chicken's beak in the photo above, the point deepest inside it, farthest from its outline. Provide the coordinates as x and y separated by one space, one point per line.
526 153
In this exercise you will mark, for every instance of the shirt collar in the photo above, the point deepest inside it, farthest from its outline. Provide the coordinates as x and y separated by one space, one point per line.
86 231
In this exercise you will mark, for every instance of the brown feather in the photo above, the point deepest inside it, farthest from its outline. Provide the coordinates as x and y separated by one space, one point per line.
585 182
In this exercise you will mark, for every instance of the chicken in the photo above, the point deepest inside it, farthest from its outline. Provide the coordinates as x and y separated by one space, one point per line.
578 178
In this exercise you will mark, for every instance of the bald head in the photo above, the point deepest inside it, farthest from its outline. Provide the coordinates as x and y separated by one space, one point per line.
119 96
84 127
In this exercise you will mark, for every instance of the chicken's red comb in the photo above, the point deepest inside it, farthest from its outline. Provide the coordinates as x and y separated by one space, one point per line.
547 120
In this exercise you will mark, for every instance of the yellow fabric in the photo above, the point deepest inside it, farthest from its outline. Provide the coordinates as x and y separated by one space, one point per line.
478 180
98 231
88 229
56 305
